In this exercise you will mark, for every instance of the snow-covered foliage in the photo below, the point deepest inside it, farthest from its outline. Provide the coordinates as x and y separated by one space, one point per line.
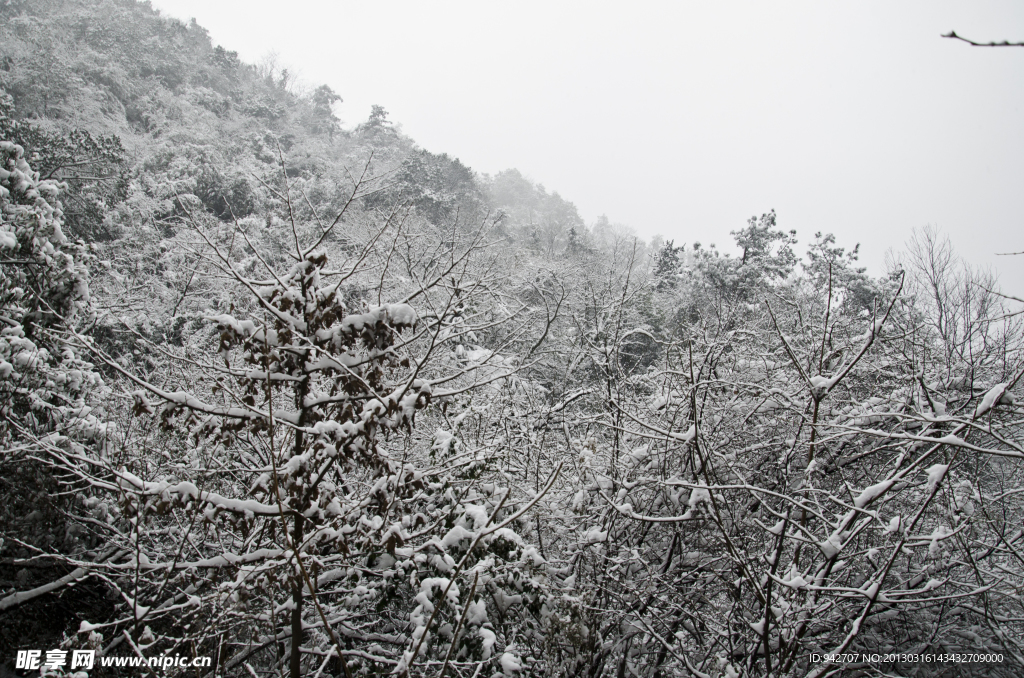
294 505
46 386
796 472
364 412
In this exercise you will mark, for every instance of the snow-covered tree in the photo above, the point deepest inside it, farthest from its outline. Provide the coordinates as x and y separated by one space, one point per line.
52 419
292 505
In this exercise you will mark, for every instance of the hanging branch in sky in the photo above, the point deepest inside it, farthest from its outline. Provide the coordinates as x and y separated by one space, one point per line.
1004 43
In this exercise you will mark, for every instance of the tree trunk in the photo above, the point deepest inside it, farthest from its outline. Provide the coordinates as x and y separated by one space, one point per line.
295 660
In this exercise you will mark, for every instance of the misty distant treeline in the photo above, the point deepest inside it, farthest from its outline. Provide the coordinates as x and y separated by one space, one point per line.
297 395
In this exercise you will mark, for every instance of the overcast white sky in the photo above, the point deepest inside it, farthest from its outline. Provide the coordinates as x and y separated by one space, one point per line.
683 118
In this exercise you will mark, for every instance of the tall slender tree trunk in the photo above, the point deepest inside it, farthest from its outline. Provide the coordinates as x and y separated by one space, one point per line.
295 660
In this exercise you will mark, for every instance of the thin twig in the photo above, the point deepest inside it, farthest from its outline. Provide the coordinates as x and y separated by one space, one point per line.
1004 43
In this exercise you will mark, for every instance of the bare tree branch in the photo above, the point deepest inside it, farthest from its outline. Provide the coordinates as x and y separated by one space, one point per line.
1004 43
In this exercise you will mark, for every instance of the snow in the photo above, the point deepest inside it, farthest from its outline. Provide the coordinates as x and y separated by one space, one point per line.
85 627
661 401
935 474
831 546
186 491
869 494
532 555
796 582
794 578
476 613
433 512
639 455
402 315
698 495
508 535
399 315
478 355
427 587
442 440
510 664
823 384
478 514
938 534
991 399
686 437
455 536
244 328
488 642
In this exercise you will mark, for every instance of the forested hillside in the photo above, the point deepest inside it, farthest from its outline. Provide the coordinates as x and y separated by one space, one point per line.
306 399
